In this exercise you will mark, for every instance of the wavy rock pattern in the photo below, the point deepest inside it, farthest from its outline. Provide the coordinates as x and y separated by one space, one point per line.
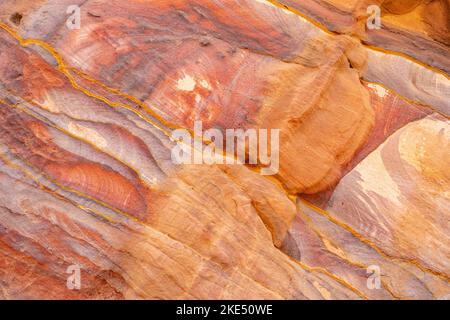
86 176
417 28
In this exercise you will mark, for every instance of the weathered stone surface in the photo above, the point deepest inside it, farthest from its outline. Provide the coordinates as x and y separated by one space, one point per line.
86 130
417 28
202 85
407 180
394 197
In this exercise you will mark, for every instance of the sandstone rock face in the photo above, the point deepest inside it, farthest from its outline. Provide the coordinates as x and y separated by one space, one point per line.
87 124
405 179
417 28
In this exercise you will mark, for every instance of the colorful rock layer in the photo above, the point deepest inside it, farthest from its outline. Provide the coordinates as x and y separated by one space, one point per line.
86 131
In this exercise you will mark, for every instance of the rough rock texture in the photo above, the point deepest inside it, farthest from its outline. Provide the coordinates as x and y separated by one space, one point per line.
406 180
86 176
417 28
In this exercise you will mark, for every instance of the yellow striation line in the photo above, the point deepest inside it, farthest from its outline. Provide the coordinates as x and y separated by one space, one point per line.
135 100
304 16
3 158
94 199
322 237
370 243
83 195
375 48
64 69
124 95
329 274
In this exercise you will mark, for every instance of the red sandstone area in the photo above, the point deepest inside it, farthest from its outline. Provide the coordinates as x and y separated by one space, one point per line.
88 117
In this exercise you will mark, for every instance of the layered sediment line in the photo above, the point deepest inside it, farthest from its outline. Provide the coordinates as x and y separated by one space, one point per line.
86 132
